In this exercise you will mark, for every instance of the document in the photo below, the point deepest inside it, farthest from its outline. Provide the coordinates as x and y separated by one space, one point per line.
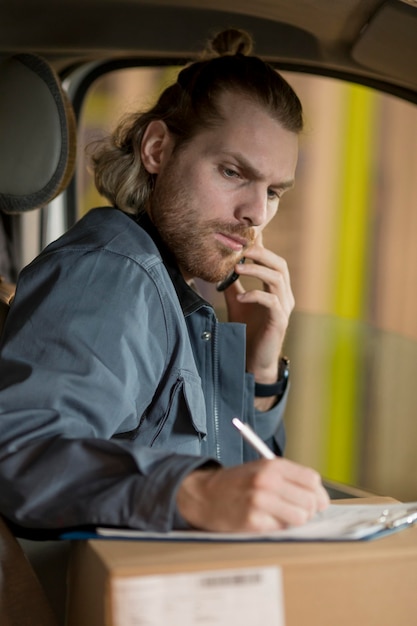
339 522
243 596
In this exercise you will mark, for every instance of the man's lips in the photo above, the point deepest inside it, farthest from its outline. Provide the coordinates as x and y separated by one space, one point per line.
234 242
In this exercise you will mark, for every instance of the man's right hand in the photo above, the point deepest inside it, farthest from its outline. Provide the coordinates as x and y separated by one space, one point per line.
262 495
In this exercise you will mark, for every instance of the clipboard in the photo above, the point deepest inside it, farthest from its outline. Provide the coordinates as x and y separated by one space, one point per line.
339 522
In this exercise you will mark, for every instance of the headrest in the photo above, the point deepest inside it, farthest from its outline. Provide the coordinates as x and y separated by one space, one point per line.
37 134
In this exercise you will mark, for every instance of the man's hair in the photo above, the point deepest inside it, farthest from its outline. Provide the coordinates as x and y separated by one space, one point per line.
188 106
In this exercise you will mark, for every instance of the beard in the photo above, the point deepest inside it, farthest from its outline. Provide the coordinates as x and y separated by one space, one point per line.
190 237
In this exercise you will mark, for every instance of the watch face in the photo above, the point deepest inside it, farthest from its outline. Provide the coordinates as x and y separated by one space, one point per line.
284 368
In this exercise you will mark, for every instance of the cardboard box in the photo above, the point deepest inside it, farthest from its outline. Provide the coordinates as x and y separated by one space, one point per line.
133 583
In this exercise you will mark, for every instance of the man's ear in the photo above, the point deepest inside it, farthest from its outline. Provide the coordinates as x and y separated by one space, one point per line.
156 146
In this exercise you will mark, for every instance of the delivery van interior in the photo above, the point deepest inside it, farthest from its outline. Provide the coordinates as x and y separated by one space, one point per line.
70 70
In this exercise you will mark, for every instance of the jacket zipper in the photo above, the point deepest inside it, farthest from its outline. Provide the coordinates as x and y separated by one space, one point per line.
216 394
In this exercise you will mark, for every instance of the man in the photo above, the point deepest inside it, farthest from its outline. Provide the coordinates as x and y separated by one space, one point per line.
119 385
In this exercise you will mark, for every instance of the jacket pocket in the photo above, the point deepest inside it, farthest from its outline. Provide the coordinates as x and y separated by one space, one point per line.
183 424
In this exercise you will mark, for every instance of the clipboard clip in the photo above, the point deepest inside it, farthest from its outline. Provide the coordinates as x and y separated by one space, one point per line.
403 518
388 520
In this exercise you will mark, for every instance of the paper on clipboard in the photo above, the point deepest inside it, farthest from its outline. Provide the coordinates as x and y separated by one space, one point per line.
339 522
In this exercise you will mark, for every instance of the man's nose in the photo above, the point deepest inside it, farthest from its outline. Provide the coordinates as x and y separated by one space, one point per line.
252 207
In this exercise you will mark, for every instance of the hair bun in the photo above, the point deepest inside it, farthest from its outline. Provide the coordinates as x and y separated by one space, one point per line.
230 41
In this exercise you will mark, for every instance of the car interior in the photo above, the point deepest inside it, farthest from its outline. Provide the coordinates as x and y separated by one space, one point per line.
69 70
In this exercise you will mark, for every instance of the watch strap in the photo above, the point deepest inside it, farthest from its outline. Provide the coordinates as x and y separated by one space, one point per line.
278 388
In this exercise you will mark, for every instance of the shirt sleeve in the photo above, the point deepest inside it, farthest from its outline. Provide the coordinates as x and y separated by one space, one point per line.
75 349
269 425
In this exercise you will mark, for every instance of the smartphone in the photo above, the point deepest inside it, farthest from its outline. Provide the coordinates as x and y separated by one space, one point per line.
229 280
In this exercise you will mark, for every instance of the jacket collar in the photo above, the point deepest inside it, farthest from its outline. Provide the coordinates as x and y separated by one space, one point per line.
189 299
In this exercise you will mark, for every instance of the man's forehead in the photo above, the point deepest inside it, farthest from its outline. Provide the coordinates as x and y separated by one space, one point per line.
265 154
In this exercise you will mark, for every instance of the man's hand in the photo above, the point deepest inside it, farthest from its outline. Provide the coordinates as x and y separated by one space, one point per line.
262 495
265 312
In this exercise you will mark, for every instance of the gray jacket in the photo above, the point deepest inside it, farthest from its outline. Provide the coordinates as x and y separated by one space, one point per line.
116 380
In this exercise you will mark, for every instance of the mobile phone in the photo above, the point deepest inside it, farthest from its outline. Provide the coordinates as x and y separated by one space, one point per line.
229 280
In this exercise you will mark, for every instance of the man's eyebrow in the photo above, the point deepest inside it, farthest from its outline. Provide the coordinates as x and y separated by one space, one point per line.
257 174
284 185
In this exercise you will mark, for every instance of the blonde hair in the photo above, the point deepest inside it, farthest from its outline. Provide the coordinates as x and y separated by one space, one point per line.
187 106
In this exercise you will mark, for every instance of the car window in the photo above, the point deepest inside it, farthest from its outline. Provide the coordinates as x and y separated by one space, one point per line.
346 231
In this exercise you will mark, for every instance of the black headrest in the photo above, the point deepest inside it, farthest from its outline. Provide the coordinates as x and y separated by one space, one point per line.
37 134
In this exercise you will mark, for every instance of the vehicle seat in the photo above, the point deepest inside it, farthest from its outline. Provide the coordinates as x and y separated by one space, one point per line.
37 141
37 151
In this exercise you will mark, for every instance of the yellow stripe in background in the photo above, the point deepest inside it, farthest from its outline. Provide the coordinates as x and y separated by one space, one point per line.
351 265
350 286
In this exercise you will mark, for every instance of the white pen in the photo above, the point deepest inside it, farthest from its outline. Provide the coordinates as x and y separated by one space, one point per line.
253 439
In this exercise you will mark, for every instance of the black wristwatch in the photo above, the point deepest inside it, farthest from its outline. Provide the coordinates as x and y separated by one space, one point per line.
278 388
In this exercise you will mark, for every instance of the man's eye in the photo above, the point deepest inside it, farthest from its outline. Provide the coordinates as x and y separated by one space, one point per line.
229 173
272 195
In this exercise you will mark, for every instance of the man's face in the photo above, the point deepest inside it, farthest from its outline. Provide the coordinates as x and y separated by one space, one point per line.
219 191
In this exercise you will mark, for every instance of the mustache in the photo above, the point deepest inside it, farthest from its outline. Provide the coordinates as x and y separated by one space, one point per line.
245 232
